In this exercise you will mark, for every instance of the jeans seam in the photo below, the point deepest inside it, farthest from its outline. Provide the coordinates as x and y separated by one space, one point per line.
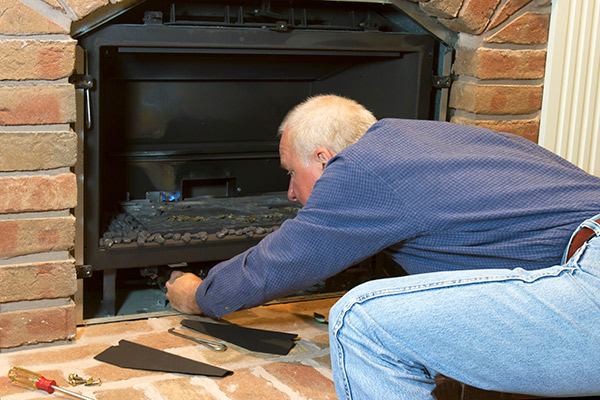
454 283
337 327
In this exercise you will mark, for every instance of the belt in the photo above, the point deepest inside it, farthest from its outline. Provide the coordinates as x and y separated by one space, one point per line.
579 239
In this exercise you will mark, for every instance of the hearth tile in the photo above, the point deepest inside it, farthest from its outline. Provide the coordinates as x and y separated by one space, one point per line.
303 379
68 353
183 388
117 328
120 394
249 384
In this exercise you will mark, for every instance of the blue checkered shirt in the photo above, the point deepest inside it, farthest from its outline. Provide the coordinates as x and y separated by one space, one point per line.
436 196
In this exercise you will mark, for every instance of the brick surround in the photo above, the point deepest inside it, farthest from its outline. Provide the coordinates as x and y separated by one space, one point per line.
499 71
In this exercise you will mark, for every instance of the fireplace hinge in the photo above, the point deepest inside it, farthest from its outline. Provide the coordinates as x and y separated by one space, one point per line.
83 271
442 82
82 81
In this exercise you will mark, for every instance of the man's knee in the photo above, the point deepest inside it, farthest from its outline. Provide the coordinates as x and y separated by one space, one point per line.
369 291
345 304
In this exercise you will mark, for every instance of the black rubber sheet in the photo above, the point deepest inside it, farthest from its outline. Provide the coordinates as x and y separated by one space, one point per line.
251 339
132 355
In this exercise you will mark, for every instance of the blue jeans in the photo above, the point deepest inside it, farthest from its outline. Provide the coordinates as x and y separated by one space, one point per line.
531 332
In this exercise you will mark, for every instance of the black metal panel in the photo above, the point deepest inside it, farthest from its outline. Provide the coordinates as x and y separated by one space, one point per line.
195 109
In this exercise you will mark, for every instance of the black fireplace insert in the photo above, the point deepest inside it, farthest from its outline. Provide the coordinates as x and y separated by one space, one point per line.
181 154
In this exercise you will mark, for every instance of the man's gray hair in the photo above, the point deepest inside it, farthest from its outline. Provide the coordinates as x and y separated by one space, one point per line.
329 121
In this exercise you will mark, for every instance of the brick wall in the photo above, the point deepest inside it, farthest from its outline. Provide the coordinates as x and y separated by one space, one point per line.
500 61
499 71
37 186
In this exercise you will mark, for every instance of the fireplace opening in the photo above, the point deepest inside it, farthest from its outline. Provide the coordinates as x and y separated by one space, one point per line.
181 163
213 187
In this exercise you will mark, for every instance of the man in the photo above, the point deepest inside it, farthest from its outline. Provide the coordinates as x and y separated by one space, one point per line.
479 219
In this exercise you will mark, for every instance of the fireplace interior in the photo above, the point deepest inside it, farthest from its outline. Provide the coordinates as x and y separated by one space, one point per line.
182 105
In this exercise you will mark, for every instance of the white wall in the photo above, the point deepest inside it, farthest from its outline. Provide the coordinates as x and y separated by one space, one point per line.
570 118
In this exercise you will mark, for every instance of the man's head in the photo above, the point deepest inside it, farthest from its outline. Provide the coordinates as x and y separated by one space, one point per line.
313 132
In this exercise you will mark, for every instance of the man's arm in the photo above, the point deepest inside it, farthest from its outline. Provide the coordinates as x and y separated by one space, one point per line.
349 216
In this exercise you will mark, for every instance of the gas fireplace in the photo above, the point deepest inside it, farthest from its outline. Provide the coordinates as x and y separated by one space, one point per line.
182 108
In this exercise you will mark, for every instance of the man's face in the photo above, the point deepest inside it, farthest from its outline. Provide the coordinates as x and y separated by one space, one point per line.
302 177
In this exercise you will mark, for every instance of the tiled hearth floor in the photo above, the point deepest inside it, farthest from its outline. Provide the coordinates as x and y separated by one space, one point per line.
303 374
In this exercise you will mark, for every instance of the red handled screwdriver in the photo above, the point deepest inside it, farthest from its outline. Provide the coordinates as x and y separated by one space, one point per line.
32 380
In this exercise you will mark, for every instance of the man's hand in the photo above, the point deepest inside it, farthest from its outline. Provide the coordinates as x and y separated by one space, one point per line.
181 292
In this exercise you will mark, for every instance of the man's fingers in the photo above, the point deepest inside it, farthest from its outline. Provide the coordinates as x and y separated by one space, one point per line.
173 278
181 292
174 275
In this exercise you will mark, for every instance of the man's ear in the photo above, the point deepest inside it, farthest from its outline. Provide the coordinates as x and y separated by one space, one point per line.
323 154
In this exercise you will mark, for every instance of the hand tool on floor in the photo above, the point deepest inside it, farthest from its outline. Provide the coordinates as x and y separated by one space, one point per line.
216 346
33 380
320 318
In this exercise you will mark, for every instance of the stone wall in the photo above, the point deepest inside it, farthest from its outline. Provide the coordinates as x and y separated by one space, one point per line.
499 72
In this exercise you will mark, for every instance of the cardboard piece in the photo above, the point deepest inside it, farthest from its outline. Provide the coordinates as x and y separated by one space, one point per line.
132 355
251 339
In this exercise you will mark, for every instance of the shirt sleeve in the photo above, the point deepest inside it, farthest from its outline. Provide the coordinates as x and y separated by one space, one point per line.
350 215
